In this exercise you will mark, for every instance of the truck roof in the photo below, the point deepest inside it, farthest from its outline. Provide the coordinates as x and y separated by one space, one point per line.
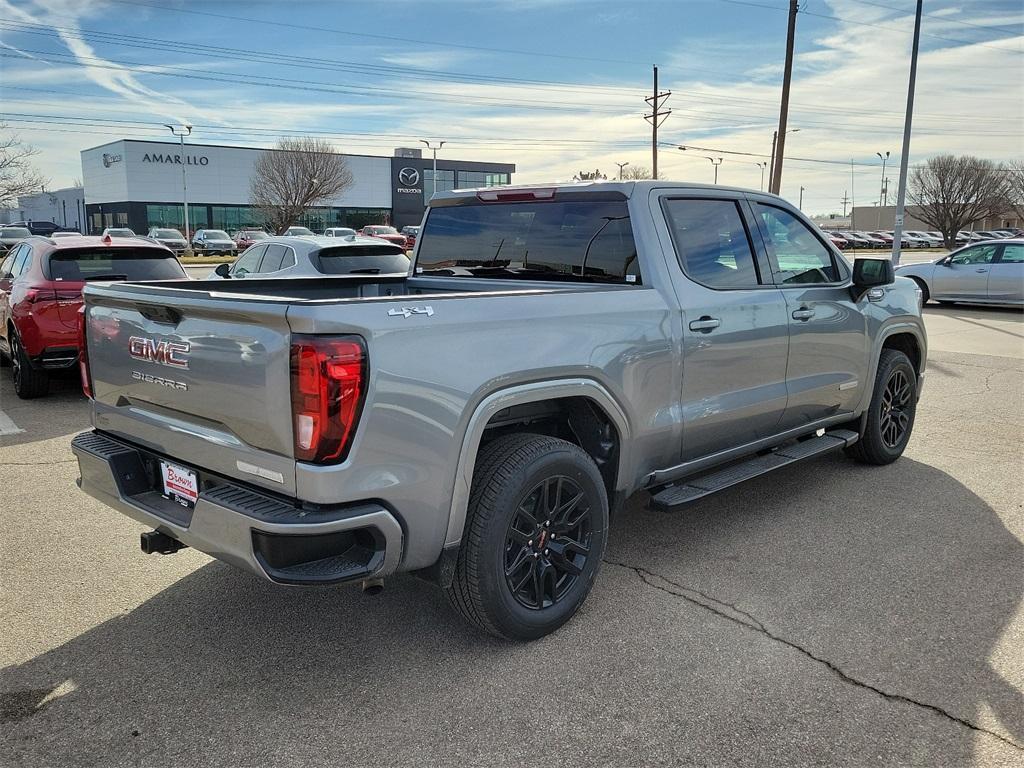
625 188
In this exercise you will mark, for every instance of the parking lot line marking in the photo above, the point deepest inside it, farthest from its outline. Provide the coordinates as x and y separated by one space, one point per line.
7 426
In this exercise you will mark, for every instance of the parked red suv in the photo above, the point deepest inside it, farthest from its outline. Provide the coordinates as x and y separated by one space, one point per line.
41 282
384 233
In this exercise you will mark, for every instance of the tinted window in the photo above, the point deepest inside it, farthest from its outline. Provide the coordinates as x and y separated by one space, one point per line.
712 243
367 258
114 263
979 254
579 239
249 261
1013 253
800 256
12 232
20 261
272 259
216 234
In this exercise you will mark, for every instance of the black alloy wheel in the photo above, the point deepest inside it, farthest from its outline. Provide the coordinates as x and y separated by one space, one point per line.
548 542
894 419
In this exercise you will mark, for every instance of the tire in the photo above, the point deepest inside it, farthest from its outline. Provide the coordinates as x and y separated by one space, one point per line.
511 579
889 426
925 294
28 382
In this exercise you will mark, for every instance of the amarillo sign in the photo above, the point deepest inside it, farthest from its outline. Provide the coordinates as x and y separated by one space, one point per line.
156 157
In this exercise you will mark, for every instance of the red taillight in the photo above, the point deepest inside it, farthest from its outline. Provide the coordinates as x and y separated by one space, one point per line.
83 354
328 382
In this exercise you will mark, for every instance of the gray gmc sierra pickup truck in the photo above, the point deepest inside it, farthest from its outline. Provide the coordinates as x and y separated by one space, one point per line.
479 420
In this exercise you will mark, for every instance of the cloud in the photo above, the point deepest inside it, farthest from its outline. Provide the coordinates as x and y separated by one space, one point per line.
437 59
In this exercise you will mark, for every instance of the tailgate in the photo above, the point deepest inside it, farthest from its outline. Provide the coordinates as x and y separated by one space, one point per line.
202 380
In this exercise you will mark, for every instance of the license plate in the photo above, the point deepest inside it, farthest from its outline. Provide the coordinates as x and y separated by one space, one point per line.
180 484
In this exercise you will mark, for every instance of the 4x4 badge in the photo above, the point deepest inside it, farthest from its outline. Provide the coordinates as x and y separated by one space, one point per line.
410 311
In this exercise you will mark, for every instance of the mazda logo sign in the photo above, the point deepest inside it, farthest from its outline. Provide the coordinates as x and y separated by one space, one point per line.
409 177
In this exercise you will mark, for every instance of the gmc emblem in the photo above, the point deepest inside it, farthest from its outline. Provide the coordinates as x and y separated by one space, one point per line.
162 352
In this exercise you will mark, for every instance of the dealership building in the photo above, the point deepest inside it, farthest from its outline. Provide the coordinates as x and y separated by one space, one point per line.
138 184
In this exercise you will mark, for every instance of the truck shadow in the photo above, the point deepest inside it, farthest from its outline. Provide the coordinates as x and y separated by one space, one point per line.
898 576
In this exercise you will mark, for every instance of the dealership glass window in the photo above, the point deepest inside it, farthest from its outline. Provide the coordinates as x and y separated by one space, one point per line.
445 182
469 179
122 218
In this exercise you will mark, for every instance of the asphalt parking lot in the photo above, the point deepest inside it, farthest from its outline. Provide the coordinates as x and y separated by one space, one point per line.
826 614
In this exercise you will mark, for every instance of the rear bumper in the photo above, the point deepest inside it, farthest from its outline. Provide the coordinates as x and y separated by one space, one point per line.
270 537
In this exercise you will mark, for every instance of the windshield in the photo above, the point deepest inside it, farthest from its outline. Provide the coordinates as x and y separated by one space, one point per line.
299 231
251 234
170 234
382 230
217 234
341 232
120 233
582 240
15 232
114 264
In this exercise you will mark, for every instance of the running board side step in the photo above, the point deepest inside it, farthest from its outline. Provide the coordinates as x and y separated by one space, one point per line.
683 492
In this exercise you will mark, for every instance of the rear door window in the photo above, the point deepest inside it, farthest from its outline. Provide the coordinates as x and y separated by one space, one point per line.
20 261
588 240
1013 253
272 258
712 242
79 264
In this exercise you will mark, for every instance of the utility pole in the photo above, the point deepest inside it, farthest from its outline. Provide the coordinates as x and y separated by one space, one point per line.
901 194
657 117
845 201
621 166
439 145
853 197
776 184
800 205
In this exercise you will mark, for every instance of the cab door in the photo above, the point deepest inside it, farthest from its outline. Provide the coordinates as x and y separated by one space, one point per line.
964 275
734 325
828 346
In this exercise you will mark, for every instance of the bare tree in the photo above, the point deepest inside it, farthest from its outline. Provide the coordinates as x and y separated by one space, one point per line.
636 172
594 175
1015 189
17 175
954 192
299 174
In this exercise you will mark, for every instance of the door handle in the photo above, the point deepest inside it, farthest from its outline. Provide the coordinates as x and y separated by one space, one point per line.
982 270
705 323
803 313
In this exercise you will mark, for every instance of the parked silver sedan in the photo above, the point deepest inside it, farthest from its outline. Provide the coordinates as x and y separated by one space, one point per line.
989 272
316 256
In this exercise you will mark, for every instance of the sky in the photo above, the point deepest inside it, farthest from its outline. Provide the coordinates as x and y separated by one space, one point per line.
554 86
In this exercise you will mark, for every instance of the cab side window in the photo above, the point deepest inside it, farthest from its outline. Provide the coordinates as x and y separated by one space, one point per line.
799 257
273 258
712 242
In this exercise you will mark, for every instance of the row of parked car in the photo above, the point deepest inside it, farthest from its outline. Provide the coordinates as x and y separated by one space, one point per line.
844 239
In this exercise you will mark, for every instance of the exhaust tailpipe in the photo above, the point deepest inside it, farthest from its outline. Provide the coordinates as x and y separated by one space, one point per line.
156 543
372 586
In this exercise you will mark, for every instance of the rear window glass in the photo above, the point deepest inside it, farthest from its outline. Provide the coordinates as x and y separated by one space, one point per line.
14 232
114 264
381 259
585 240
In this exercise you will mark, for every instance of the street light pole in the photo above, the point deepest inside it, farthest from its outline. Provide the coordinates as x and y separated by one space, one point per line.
800 205
771 168
716 161
439 145
762 167
186 130
881 188
621 166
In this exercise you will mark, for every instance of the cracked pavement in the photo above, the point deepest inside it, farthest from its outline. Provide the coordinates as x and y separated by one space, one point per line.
828 613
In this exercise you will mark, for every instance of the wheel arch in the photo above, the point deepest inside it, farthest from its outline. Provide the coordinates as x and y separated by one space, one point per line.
567 396
906 337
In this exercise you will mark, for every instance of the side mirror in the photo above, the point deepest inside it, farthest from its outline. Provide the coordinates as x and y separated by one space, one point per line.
223 270
871 273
